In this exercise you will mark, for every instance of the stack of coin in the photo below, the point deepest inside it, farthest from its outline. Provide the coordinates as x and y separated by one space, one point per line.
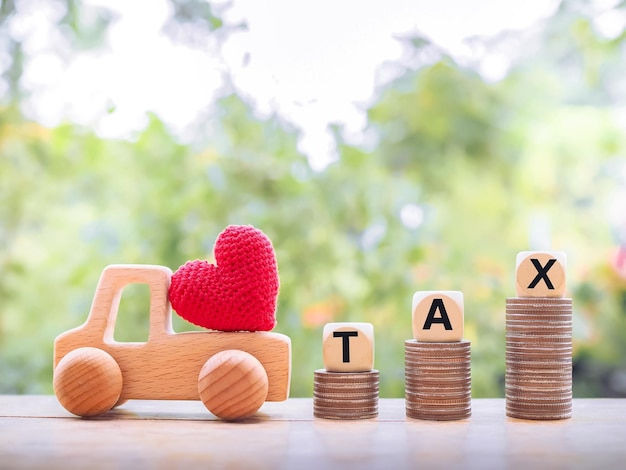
538 358
437 380
345 395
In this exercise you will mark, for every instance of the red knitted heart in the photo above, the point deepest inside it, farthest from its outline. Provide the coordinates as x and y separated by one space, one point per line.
239 292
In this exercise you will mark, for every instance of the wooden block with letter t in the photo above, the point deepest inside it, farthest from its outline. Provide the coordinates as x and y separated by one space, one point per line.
348 347
438 316
541 274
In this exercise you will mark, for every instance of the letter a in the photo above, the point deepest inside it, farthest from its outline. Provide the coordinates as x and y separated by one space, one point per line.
443 318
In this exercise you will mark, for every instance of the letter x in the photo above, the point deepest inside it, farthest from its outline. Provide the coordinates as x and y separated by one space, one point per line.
542 273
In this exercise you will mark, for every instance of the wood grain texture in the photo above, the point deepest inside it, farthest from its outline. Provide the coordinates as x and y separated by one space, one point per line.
438 316
233 384
348 347
35 432
541 274
167 366
88 382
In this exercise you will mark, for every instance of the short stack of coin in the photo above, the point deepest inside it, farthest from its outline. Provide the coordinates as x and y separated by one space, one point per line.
538 358
437 380
345 395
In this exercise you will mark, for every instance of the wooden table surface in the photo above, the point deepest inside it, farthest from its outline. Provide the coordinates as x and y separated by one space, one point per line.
35 432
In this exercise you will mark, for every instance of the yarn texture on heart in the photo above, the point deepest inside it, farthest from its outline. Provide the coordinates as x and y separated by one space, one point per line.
238 292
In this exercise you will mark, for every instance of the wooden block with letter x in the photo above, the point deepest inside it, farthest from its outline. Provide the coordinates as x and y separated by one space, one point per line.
348 347
438 316
541 274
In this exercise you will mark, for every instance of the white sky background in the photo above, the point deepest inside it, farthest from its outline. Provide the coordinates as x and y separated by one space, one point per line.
312 62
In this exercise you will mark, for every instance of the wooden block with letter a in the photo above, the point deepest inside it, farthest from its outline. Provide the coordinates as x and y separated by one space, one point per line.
438 316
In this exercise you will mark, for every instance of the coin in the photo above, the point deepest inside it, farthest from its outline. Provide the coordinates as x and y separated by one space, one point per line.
417 405
366 388
539 413
345 377
538 377
537 307
547 392
539 416
441 385
341 415
539 346
437 380
437 346
333 410
545 312
539 332
424 367
437 367
550 376
526 320
439 352
443 349
538 315
345 395
420 393
532 398
537 323
525 339
536 403
419 358
530 356
538 363
538 383
538 410
344 403
533 353
538 301
449 382
433 384
447 403
435 361
438 415
441 388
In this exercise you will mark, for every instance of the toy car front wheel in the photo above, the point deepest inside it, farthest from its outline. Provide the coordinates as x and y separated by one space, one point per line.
87 381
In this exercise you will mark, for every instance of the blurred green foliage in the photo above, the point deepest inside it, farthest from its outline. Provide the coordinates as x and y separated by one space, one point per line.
458 175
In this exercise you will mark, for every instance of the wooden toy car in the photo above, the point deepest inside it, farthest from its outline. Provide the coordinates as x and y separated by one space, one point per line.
233 373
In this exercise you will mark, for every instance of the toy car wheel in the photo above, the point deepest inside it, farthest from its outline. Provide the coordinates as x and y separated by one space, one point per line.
233 384
87 381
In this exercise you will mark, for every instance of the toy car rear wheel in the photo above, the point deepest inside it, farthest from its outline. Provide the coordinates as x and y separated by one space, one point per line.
87 381
233 384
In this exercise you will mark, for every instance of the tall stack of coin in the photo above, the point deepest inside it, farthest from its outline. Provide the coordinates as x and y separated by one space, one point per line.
539 340
437 361
345 395
347 388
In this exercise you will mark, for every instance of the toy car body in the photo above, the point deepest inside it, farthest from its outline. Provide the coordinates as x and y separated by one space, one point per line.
167 366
